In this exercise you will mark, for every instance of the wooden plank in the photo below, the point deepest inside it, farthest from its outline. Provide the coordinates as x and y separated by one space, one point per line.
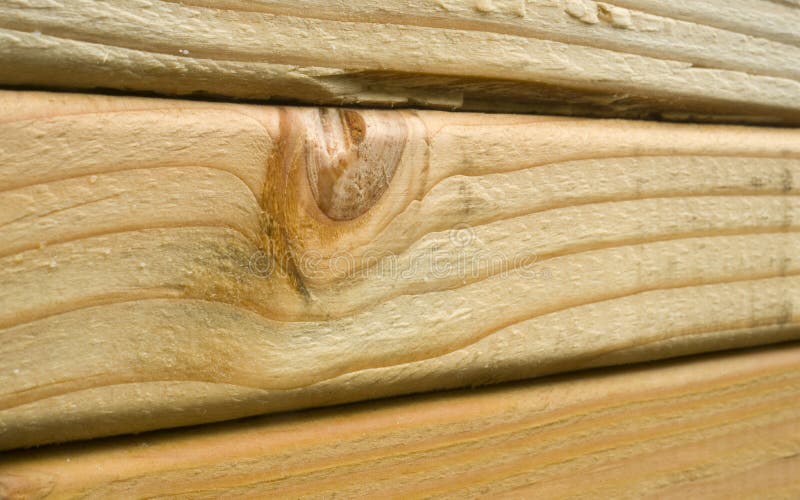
701 60
718 426
165 263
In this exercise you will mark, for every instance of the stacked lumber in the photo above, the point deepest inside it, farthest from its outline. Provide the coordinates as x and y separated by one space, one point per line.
260 229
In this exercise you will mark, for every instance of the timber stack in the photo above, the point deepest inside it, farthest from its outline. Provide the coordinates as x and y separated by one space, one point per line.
431 248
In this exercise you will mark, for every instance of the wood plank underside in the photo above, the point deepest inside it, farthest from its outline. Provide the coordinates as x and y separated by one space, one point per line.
721 426
731 60
166 263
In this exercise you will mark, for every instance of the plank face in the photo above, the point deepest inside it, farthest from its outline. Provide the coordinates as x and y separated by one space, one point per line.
730 60
166 263
717 426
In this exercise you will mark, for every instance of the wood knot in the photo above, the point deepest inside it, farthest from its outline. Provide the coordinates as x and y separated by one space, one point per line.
351 157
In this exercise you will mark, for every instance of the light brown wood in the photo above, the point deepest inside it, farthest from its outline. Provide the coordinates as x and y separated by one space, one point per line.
722 426
166 263
732 60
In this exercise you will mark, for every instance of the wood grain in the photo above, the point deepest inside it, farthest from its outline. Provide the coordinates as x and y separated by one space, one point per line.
719 426
731 60
166 263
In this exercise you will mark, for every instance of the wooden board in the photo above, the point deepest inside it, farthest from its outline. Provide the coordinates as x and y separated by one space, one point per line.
732 60
165 263
722 426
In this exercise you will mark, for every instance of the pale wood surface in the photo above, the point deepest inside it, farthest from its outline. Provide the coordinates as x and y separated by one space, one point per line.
166 263
728 60
721 426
